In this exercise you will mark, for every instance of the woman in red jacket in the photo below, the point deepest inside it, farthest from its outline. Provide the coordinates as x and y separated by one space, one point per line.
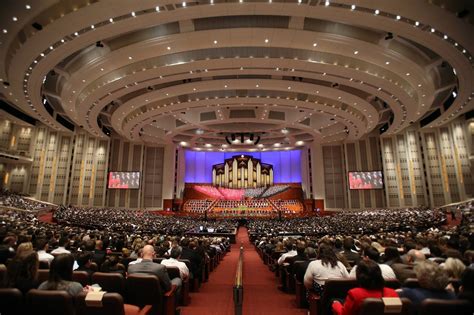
371 285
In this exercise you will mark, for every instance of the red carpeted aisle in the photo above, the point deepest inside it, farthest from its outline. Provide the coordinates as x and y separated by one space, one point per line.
215 296
261 295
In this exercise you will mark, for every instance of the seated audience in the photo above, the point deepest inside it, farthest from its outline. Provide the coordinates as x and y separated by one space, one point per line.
404 271
112 265
372 254
173 262
454 267
22 272
149 267
60 276
42 248
432 280
349 253
84 260
325 267
300 270
371 285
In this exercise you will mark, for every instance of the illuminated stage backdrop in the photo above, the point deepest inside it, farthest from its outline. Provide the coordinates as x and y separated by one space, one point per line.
286 164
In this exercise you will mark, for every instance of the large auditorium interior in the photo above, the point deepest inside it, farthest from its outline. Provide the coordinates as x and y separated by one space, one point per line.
236 157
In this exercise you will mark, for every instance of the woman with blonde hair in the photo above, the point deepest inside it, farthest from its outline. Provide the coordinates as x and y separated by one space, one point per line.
432 280
454 267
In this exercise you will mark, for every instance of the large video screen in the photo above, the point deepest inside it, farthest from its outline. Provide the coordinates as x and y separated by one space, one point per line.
365 180
124 180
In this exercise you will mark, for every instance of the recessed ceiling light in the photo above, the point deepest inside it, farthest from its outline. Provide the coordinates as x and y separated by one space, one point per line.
133 14
76 33
356 52
184 4
266 40
377 12
101 69
445 36
353 7
315 44
215 42
27 6
130 57
326 3
398 17
5 31
408 73
387 62
14 19
169 48
417 23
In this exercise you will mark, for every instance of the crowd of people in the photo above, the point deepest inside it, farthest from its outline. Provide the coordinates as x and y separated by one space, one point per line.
14 200
374 247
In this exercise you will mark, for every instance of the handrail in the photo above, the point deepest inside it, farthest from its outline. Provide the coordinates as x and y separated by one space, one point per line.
239 285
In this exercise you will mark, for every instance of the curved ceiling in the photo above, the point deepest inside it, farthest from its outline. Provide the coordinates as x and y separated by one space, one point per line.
190 73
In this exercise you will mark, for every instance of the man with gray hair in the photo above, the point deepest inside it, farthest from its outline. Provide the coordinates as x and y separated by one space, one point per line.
173 261
405 271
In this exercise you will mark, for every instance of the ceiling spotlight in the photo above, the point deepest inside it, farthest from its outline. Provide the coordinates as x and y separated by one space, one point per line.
326 3
377 12
353 7
285 131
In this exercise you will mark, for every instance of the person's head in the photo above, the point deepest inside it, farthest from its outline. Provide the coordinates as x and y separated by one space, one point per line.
176 252
300 248
310 252
348 243
327 255
84 258
415 256
371 253
23 267
431 276
392 254
454 267
63 241
24 248
148 252
42 244
61 268
369 275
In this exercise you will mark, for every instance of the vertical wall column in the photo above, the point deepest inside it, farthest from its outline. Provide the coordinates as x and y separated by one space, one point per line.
319 193
168 175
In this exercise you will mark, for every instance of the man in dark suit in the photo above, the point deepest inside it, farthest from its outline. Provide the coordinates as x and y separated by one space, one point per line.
190 254
149 267
351 255
300 268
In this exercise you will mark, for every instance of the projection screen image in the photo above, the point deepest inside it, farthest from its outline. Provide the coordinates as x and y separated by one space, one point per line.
124 180
365 180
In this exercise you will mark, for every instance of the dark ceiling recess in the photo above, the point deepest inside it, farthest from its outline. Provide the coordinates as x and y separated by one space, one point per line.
38 26
15 112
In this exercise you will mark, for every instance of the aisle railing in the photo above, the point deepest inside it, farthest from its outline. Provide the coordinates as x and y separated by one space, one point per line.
238 285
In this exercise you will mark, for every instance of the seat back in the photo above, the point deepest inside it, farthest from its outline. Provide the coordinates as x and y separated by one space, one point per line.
44 302
109 282
443 307
392 284
112 304
11 301
43 275
335 289
43 264
3 275
144 289
373 306
173 272
82 277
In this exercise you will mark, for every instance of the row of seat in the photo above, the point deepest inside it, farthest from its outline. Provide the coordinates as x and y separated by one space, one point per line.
141 290
338 289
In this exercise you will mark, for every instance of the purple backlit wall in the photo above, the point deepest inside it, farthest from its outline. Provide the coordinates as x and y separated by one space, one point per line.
286 164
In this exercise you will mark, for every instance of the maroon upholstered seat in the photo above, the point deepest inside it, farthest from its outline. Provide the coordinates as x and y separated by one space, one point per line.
11 302
373 306
144 289
109 282
45 302
112 304
443 307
